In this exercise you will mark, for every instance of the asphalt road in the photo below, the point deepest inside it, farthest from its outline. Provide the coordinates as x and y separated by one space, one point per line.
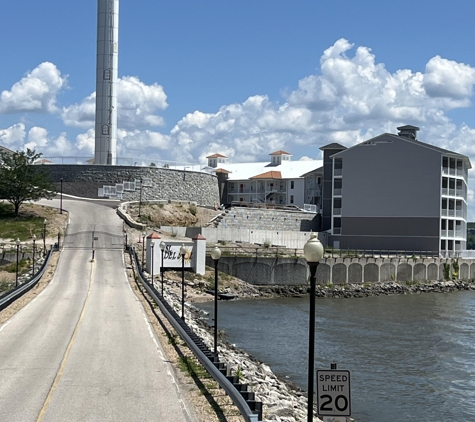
83 350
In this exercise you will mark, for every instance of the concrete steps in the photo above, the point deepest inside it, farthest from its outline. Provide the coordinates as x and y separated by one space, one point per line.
257 219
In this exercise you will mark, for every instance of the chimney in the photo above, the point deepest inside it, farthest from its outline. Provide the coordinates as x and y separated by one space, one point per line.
408 131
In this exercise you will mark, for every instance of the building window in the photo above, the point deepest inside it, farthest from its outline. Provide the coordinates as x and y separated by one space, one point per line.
105 129
291 199
291 184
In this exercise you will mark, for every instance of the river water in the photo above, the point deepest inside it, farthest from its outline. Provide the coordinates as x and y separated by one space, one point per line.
411 357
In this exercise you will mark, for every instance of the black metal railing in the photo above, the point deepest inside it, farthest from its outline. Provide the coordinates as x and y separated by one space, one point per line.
244 400
10 297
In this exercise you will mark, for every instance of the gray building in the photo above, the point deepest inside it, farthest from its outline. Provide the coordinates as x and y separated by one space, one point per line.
394 192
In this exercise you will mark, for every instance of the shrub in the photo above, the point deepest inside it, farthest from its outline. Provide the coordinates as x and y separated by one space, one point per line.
447 272
455 270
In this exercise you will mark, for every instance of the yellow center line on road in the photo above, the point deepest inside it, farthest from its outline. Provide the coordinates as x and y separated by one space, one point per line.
68 351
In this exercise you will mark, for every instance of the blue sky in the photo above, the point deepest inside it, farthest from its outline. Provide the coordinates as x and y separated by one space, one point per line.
243 78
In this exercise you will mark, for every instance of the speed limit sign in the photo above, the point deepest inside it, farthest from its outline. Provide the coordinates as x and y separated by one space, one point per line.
333 393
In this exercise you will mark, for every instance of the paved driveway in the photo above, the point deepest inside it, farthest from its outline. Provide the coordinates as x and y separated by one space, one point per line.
83 349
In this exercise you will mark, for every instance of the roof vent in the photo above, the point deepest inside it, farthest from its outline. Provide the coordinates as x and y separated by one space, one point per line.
408 131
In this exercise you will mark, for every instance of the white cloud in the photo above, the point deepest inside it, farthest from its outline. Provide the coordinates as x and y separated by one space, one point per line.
350 99
137 104
81 115
449 79
37 139
35 92
139 141
60 146
86 141
13 136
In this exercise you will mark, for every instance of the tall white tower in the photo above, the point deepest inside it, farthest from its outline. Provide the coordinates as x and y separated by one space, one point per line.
106 81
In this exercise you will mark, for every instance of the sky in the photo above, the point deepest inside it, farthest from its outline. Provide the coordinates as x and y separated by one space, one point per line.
243 78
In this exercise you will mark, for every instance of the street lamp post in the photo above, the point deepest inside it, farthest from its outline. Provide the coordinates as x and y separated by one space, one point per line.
152 244
313 253
143 247
162 248
34 250
44 237
182 253
17 252
215 255
61 198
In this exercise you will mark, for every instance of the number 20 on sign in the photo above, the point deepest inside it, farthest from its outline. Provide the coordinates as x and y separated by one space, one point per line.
333 393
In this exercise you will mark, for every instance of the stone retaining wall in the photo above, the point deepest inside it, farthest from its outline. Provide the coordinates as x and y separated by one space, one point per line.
294 271
179 185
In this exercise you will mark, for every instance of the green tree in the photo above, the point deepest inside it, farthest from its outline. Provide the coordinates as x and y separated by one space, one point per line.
21 180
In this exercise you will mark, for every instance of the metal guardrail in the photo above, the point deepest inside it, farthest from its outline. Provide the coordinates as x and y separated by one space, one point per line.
242 398
19 291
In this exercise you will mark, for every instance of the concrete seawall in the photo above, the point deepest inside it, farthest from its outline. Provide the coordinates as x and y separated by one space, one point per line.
294 271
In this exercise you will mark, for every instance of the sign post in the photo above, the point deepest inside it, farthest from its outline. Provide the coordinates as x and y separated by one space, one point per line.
333 394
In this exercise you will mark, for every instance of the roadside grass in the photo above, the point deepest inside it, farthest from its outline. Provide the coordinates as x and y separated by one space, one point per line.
22 227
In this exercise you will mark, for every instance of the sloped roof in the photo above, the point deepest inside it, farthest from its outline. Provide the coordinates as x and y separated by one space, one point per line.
318 170
406 139
3 149
280 152
268 175
216 156
408 127
334 145
43 161
220 170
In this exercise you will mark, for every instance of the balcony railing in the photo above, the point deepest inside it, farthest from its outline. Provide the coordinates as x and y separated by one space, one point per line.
453 192
336 211
337 172
461 213
337 192
453 172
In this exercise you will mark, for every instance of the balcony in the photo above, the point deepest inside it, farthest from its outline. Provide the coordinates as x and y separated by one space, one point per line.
458 233
459 213
337 192
451 171
336 230
336 211
337 172
245 189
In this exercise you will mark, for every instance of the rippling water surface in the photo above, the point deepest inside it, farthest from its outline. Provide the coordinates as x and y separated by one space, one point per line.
411 357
